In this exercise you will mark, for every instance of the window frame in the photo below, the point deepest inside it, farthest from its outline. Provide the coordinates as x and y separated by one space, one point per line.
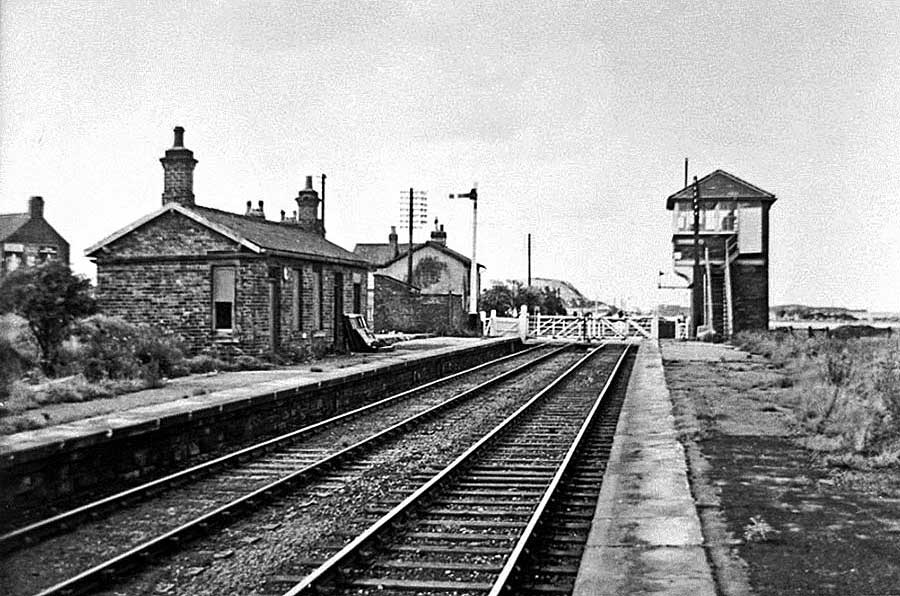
223 331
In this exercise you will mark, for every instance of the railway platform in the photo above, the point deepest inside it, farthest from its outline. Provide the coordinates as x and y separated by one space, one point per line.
158 430
646 536
200 391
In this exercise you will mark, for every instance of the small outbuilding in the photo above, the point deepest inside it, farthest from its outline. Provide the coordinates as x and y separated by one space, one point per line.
223 280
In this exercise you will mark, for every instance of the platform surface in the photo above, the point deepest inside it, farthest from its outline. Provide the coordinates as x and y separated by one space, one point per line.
645 537
196 392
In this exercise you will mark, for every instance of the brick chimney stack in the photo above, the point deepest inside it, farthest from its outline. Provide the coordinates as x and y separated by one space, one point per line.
392 242
36 207
308 209
438 235
178 165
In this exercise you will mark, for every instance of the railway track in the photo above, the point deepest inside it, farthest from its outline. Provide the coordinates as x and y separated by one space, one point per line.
164 515
508 516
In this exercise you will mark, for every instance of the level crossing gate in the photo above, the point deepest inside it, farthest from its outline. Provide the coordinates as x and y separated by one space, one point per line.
572 328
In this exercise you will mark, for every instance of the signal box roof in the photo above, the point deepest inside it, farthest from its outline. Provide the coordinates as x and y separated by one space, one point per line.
720 185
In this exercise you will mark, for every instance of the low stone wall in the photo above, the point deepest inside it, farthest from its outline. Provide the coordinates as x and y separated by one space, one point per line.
400 307
72 469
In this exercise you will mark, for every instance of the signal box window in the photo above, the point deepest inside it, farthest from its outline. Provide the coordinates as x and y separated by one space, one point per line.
223 300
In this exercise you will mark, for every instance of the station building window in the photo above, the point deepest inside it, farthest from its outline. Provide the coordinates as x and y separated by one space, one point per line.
318 293
223 300
297 302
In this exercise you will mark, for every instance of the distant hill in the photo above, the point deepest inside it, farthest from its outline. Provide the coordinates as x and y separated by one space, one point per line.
673 310
571 296
801 312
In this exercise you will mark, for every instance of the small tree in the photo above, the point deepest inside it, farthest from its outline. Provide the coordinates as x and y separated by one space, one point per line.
50 298
506 298
500 298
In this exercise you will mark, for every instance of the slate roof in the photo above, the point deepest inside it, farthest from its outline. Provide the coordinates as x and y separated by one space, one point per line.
11 222
721 185
378 254
381 255
279 237
257 235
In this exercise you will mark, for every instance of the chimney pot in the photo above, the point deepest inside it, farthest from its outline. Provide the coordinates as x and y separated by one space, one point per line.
282 215
179 137
393 242
308 183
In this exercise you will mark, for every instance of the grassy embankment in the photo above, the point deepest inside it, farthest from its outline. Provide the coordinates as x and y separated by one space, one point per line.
845 393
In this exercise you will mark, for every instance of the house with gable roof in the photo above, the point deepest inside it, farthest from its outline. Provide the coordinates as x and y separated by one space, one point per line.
437 296
26 239
223 280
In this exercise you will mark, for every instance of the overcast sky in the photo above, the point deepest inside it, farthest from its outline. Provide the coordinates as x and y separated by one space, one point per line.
574 119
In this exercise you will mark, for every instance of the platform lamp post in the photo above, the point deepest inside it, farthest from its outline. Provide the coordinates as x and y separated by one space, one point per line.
473 274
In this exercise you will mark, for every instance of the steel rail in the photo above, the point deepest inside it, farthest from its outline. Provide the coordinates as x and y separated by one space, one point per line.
67 520
142 553
502 583
311 583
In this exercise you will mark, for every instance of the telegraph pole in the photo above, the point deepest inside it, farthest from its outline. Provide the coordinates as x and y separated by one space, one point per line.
529 260
323 202
409 255
696 285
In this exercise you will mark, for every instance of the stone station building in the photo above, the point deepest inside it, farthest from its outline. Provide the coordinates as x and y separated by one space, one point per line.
225 281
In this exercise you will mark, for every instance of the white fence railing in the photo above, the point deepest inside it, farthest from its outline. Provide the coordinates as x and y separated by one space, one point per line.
571 328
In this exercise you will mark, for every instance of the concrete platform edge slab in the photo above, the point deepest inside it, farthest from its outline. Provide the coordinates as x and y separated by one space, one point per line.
646 535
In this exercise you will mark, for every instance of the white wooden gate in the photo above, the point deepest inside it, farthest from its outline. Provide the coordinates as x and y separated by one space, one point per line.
589 328
570 328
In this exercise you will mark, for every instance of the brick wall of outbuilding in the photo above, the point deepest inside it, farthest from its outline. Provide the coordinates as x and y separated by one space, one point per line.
751 296
396 309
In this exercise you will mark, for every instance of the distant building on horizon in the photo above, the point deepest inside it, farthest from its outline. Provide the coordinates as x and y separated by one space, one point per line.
230 281
27 239
733 250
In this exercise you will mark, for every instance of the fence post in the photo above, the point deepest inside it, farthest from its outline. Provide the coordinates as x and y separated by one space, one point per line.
523 322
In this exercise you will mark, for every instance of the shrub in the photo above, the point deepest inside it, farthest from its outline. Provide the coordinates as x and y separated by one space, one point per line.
204 363
50 298
848 390
245 362
18 351
109 348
